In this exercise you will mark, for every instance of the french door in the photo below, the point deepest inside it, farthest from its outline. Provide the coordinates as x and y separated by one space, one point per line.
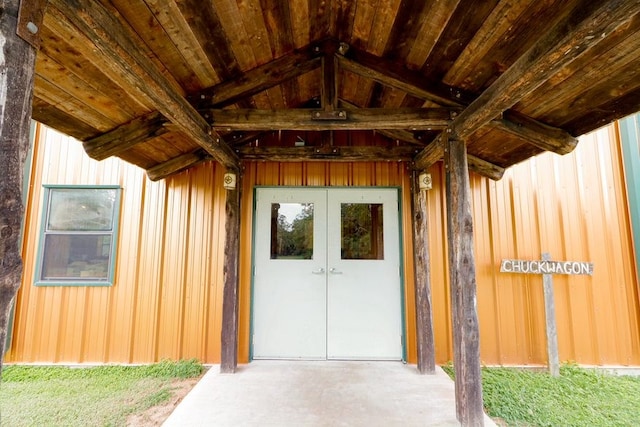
327 281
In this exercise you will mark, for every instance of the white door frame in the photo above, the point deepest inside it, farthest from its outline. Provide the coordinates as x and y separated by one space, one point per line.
335 283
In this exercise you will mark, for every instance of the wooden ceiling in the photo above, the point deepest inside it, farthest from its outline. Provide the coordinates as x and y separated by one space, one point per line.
166 84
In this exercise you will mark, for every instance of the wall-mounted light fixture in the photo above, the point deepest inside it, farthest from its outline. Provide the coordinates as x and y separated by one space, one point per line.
229 181
424 181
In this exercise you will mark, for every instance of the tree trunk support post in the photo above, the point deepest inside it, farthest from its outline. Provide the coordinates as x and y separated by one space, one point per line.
424 317
462 272
17 69
229 341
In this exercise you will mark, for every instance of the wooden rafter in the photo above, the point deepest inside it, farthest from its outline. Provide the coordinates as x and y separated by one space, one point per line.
126 63
391 74
553 51
177 164
126 136
261 78
341 119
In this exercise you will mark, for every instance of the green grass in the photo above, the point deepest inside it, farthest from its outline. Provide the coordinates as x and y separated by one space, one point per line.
579 397
98 396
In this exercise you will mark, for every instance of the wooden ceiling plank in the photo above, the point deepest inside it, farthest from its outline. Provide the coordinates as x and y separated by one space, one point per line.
584 76
259 79
244 40
81 71
175 165
66 103
320 19
176 27
43 112
554 50
383 22
499 21
606 112
460 28
59 76
433 24
147 25
277 18
356 119
300 24
585 79
345 12
126 62
207 29
406 25
126 136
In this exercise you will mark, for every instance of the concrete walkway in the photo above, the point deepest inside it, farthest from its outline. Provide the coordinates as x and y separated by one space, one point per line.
296 393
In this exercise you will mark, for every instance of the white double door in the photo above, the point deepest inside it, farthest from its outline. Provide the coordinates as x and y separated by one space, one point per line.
327 281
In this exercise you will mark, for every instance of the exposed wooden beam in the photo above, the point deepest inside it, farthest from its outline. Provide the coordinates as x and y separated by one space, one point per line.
124 61
393 75
485 168
126 136
426 159
177 164
430 154
329 98
333 153
553 51
545 137
341 119
260 78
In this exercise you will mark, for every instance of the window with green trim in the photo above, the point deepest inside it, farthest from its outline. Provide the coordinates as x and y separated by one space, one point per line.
79 230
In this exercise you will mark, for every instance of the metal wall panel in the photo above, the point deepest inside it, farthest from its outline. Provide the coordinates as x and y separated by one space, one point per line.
167 290
167 298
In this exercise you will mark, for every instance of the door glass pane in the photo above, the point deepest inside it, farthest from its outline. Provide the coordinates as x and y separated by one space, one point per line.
362 236
291 230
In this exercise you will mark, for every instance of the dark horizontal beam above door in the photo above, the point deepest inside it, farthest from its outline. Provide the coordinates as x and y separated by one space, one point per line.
341 119
333 153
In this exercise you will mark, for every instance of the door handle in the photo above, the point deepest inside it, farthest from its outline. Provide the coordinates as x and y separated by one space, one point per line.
334 271
318 271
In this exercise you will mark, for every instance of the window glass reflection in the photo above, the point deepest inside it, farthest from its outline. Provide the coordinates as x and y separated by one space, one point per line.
291 230
362 234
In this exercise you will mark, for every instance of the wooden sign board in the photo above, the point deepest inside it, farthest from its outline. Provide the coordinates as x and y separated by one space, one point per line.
547 267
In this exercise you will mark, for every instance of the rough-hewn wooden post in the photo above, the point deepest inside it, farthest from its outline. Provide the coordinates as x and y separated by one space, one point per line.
229 348
462 272
17 60
424 322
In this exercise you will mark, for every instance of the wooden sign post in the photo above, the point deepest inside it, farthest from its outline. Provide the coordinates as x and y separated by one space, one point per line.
547 268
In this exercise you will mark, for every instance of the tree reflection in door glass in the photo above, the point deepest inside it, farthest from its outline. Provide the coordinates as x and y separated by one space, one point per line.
362 236
291 230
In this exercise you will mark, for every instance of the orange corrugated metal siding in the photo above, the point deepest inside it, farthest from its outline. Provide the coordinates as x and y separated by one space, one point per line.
167 297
